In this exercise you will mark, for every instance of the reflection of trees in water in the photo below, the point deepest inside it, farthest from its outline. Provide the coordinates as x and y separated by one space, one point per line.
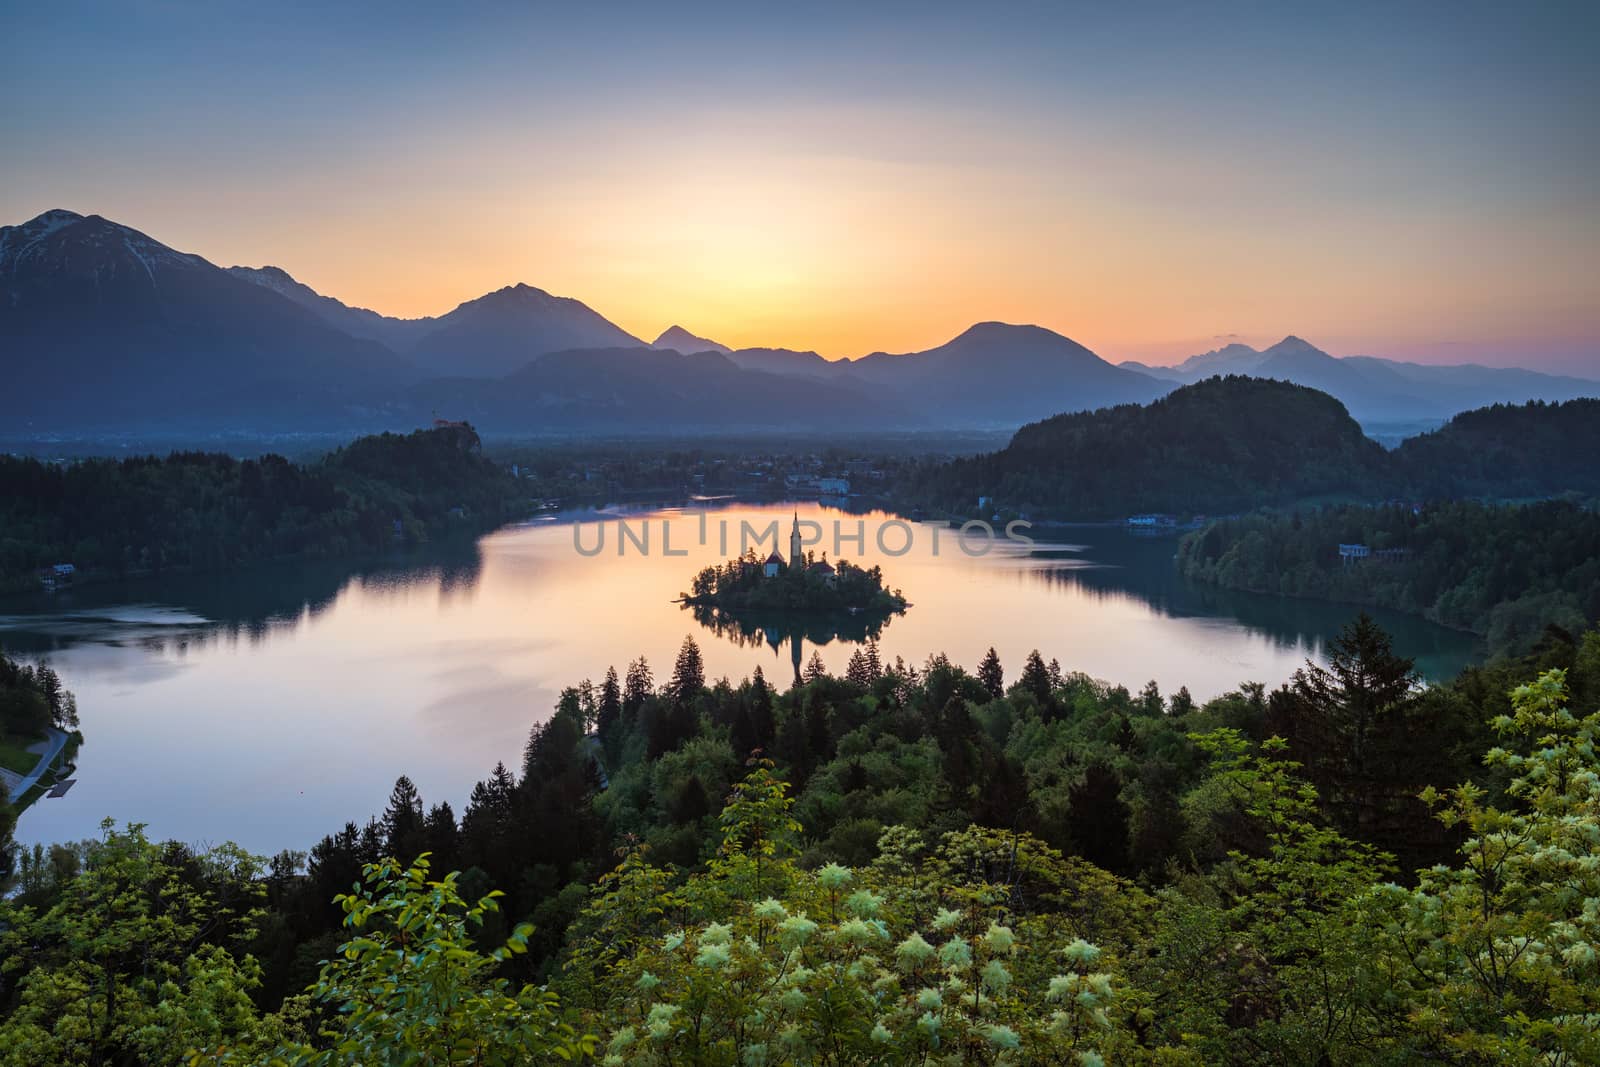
1142 570
251 606
754 630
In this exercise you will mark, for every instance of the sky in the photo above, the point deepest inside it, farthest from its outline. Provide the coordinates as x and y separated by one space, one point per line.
1412 180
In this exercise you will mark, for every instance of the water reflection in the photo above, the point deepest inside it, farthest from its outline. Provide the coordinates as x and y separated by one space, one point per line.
270 706
779 632
1140 566
185 613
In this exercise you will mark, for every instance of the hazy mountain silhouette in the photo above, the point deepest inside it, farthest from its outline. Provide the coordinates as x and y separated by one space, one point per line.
632 389
495 334
398 334
1376 389
680 340
500 332
99 322
999 373
101 325
788 361
994 373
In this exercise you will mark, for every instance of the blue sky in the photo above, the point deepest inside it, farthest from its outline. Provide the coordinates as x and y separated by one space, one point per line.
1411 179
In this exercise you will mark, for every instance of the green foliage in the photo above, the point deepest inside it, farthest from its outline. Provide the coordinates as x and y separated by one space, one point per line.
913 869
1225 444
1509 451
32 699
1504 571
409 988
199 511
1498 958
1237 443
1289 907
836 966
133 960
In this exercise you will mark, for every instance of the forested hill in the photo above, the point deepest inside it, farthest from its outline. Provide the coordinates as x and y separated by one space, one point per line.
1224 444
1508 450
206 511
1504 572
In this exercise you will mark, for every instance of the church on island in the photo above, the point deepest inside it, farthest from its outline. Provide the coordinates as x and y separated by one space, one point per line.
767 588
820 568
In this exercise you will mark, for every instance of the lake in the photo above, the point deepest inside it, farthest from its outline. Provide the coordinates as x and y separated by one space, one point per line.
269 706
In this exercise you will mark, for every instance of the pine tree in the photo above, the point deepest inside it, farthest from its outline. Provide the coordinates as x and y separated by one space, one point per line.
502 790
857 671
440 835
403 821
1181 703
637 688
688 673
957 734
1348 724
1036 677
761 709
1099 818
819 734
742 732
991 675
610 712
373 846
816 670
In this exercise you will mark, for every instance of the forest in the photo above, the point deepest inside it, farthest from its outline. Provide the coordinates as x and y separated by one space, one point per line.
1234 444
200 511
1507 451
1501 571
906 864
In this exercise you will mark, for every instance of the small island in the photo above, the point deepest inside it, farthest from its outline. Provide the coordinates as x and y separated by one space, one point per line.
801 585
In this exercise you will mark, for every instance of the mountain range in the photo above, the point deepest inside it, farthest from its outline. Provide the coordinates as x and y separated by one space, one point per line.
1373 389
104 327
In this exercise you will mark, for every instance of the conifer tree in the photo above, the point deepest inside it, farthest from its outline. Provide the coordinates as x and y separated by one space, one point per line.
639 685
688 673
991 675
403 819
610 712
1036 677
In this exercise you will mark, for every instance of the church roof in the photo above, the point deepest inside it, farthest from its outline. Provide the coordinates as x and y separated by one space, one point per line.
774 558
823 566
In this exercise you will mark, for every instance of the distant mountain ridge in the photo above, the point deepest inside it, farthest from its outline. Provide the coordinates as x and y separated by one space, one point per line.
358 322
102 323
680 340
503 331
1000 373
103 326
495 334
1375 389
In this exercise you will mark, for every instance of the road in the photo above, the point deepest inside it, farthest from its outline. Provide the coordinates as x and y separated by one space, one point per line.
57 740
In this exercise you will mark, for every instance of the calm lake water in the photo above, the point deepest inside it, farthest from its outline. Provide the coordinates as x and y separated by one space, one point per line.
269 707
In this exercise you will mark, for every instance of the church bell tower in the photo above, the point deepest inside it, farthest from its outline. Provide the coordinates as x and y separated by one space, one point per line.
797 557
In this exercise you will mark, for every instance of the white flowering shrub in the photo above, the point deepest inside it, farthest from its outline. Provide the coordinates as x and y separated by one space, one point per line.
842 966
1497 957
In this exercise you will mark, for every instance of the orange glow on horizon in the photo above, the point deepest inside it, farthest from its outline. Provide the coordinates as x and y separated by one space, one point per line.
787 239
